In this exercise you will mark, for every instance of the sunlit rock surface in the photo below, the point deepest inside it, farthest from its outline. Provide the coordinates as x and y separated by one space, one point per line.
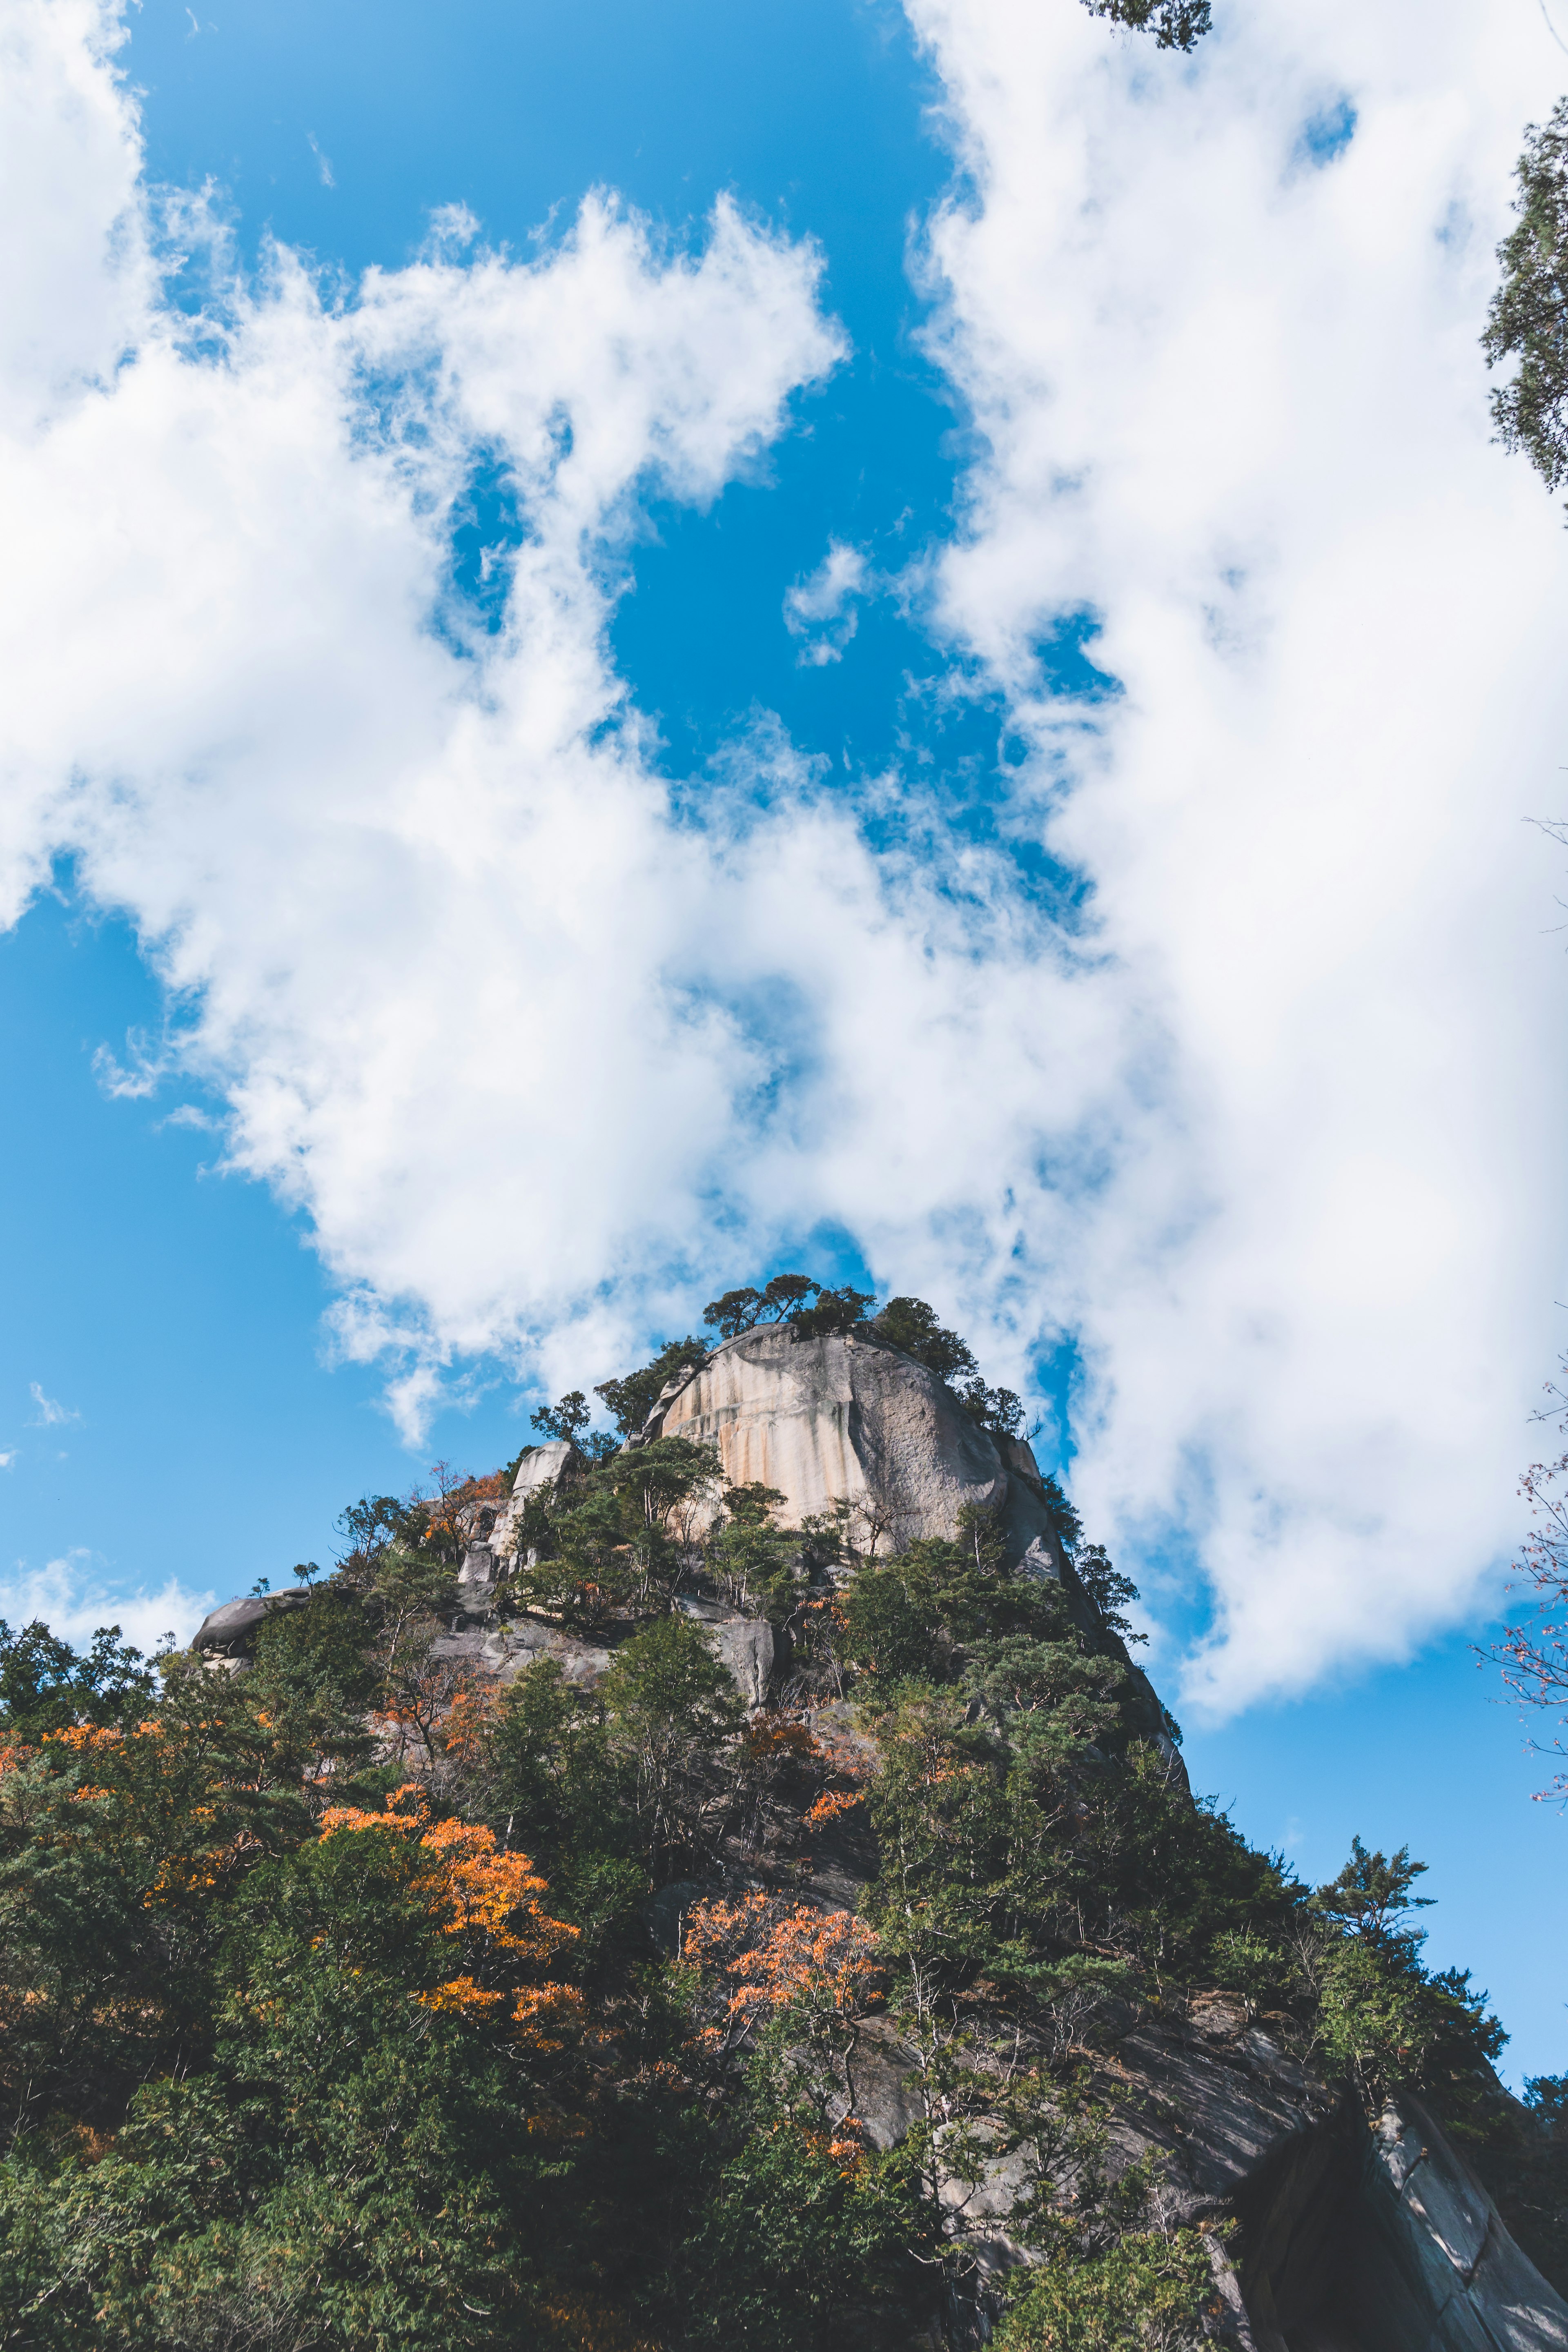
851 1419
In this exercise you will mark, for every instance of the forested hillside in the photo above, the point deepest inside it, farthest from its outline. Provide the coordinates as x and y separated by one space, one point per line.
359 1998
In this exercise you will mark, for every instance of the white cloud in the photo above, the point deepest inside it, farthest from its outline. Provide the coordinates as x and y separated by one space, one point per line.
47 1414
821 609
73 1598
1227 380
481 1006
536 1055
8 1458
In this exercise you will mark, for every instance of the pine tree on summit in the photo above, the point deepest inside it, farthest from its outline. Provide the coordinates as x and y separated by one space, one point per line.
741 1310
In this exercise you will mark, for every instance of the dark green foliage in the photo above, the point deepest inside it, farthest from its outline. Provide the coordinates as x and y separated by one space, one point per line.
926 1610
739 1310
314 1675
1175 24
1528 318
1150 2291
891 1623
349 2166
672 1709
911 1325
1381 2019
46 1685
999 1410
1546 2096
754 1562
1371 1896
632 1399
115 1848
1110 1591
371 1526
1523 2159
542 1748
833 1313
618 1538
806 2238
1065 1521
564 1421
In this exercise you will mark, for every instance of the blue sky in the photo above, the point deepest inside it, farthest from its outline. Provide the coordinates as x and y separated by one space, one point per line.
1094 897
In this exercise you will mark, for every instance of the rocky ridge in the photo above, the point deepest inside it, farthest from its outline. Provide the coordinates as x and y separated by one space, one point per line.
1353 2239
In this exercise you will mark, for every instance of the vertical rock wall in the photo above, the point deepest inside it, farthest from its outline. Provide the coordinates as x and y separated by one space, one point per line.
850 1418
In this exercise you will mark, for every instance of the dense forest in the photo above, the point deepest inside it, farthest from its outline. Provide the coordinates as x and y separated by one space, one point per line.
360 1999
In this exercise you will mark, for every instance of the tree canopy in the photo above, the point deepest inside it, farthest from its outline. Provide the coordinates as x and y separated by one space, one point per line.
362 1997
1526 322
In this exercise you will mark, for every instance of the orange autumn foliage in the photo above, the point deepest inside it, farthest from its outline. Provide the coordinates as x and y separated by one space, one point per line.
820 1961
830 1804
444 1515
487 1896
467 1722
778 1738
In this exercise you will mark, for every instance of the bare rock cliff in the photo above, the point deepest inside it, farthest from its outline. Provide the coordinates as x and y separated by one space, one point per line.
853 1419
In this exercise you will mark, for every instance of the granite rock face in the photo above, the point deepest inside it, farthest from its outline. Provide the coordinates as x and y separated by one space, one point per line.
1435 2270
504 1650
495 1532
1385 2241
852 1419
229 1632
744 1645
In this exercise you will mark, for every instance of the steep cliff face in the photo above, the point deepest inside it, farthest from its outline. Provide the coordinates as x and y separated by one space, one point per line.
1354 2240
849 1418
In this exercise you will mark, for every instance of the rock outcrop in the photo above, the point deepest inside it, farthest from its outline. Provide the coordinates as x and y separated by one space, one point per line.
540 1467
227 1635
852 1419
1352 2241
1385 2241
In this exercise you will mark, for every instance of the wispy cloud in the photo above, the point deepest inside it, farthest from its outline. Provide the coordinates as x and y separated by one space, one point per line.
46 1413
1251 438
141 1075
453 229
8 1458
72 1596
822 609
322 166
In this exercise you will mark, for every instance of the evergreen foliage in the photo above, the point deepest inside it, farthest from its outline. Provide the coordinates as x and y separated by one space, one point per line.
336 2008
1528 318
632 1397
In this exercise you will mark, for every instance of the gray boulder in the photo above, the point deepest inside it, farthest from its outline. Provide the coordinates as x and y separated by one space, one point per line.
229 1632
504 1650
743 1644
539 1466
